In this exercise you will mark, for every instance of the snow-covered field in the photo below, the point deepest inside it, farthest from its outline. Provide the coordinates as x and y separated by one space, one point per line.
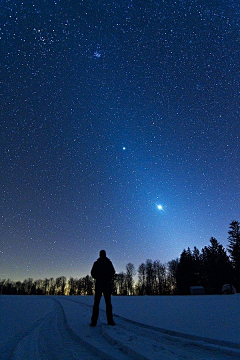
170 327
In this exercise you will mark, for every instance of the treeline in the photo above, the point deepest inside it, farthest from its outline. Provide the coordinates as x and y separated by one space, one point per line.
212 267
58 286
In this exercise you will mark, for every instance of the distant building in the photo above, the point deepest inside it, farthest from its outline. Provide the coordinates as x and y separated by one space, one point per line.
197 290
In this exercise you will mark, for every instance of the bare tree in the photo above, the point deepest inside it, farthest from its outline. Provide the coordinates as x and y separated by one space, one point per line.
172 275
159 278
120 283
60 285
130 273
149 277
72 284
141 285
88 285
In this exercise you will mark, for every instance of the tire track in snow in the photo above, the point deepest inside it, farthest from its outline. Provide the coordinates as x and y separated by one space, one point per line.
91 335
52 338
140 341
155 344
64 333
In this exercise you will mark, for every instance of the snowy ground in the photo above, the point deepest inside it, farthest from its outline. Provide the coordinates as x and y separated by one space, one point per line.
171 327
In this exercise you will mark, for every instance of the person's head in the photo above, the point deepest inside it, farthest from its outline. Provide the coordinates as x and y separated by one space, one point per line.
102 254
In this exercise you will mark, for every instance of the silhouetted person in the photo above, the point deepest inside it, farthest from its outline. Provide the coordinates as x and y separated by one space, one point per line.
103 272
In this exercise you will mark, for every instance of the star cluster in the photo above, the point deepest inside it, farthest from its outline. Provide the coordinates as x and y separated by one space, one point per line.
119 130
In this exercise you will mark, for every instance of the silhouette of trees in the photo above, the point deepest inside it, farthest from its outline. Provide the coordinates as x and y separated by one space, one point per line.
187 273
141 285
216 267
72 286
82 286
160 279
120 284
172 275
130 273
60 285
211 268
88 285
52 286
152 278
149 277
2 286
234 250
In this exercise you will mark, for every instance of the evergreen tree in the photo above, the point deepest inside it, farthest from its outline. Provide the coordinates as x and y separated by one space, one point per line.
234 249
187 273
217 269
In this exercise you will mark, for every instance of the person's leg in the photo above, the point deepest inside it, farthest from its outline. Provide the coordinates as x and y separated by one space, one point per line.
107 297
97 298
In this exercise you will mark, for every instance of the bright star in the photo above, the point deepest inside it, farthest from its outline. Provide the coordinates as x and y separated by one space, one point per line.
97 54
159 207
124 148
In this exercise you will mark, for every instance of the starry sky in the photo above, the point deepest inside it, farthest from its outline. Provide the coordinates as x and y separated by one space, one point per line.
119 131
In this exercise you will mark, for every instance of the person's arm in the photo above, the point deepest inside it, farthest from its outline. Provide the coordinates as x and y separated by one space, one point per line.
112 270
93 271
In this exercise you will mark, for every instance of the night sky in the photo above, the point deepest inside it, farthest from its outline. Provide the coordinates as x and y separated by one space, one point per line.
119 131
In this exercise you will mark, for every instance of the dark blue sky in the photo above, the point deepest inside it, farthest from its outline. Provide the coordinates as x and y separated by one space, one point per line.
108 109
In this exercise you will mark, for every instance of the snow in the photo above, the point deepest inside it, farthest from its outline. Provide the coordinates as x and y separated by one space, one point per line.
147 327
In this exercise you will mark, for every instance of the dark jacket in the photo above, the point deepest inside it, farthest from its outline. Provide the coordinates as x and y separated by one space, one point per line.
103 271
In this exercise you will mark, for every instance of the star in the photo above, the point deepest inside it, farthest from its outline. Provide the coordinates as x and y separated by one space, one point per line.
97 54
134 83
